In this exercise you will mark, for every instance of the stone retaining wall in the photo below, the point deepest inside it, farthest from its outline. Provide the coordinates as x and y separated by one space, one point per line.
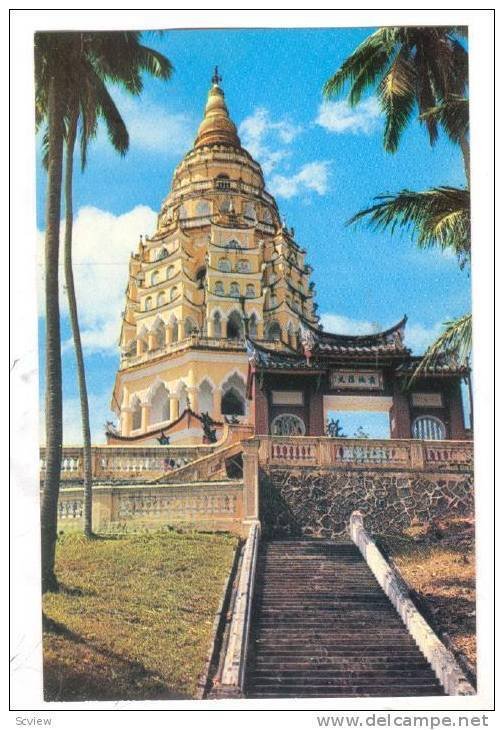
319 502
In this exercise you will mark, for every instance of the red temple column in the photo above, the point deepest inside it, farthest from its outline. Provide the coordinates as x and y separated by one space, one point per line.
456 413
260 409
400 421
316 414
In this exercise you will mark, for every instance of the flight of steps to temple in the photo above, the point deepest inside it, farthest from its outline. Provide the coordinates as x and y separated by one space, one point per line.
325 628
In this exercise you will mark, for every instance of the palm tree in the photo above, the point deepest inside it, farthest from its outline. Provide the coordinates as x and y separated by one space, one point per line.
87 61
120 141
436 217
48 74
422 67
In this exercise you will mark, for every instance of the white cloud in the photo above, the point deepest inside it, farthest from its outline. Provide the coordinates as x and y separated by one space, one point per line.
417 336
341 325
261 136
340 117
102 243
312 176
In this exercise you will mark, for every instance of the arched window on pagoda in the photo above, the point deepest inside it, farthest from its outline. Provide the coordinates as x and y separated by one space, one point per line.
170 272
250 290
267 217
190 327
175 329
148 303
205 397
137 414
234 326
234 289
249 211
233 396
243 266
219 287
201 277
173 293
159 333
252 326
222 182
234 245
161 254
217 324
273 330
160 405
203 209
224 265
161 300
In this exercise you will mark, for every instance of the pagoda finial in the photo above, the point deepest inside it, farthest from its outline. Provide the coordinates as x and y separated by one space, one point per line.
216 127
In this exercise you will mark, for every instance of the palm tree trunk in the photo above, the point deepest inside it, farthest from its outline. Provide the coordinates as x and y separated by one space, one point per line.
466 154
53 414
74 319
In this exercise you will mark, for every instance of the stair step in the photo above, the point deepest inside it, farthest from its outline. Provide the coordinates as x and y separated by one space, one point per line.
324 628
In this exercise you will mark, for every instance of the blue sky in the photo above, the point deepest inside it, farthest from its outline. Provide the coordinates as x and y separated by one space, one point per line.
323 162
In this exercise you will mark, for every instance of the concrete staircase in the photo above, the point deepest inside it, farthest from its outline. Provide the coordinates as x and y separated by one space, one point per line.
324 628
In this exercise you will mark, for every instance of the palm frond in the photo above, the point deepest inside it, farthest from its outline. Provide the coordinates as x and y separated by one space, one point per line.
106 108
435 217
360 62
154 63
406 65
453 346
453 115
396 93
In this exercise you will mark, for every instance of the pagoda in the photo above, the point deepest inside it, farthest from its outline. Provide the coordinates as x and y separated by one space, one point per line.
220 321
220 267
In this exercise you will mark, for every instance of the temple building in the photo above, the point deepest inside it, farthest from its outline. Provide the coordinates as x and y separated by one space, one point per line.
220 319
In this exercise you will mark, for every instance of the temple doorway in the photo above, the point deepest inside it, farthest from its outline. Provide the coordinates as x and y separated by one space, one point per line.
357 416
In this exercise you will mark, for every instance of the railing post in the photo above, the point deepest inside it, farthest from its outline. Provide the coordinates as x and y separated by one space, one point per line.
416 456
250 480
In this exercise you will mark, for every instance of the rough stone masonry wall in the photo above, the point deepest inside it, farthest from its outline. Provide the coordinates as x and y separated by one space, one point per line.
319 502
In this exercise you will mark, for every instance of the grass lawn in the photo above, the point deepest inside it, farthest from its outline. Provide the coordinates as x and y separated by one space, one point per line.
134 616
438 563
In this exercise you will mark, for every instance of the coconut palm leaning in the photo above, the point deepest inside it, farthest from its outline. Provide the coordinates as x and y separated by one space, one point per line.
424 69
76 66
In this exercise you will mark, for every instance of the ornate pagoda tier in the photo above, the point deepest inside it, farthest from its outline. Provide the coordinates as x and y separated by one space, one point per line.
221 265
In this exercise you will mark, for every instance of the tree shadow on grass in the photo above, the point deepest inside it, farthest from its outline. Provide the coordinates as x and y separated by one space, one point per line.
76 669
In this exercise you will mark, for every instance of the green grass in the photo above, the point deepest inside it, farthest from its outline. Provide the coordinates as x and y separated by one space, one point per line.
134 616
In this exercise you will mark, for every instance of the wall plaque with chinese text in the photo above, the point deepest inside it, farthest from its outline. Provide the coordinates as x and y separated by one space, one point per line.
427 400
287 397
356 379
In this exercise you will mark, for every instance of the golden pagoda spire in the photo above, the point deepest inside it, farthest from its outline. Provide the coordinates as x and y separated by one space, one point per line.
216 127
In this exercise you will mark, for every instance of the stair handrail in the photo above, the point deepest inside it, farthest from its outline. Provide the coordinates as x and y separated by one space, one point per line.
235 661
441 659
227 449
